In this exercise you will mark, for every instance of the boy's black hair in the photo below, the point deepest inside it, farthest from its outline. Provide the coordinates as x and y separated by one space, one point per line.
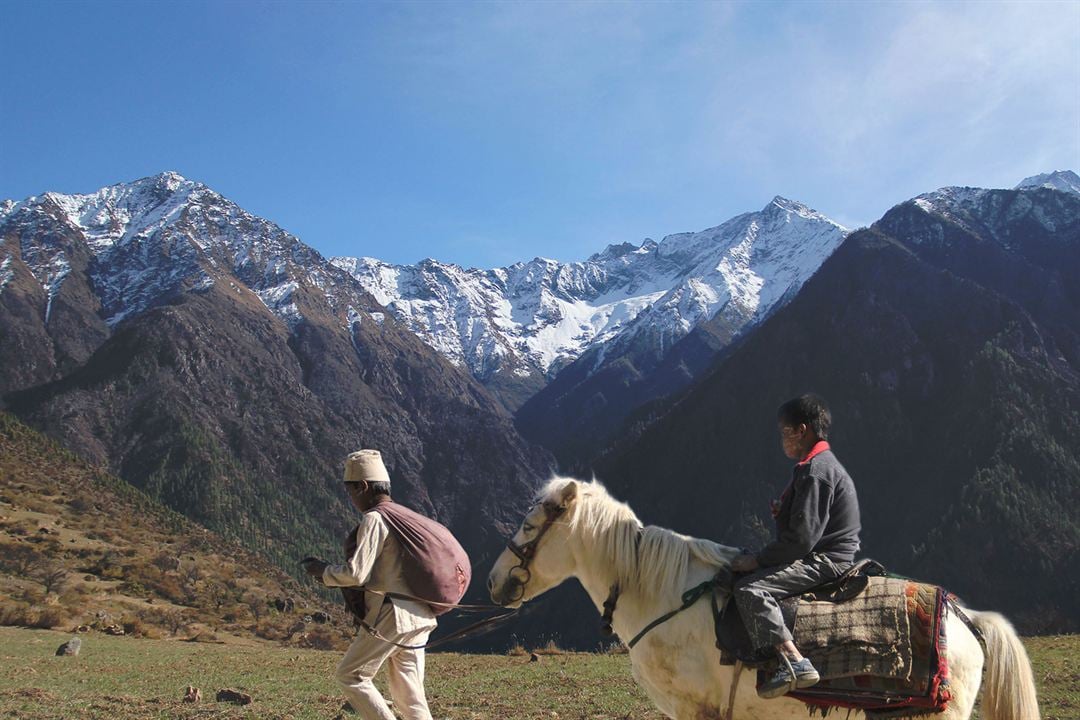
809 409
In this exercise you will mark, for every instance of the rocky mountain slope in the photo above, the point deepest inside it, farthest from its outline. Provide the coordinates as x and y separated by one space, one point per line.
945 339
517 327
82 549
213 360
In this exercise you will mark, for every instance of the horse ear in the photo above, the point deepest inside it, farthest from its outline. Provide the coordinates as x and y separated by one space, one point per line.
568 494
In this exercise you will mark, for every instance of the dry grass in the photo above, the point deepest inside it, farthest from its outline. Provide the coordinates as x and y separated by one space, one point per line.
123 678
78 547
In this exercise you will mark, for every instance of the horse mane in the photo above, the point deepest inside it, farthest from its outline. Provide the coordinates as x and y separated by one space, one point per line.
630 553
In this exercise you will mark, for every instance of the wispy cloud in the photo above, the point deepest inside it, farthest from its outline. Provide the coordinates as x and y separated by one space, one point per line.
513 129
915 94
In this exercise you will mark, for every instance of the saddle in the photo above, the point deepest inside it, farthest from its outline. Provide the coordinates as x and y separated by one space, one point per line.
877 641
733 640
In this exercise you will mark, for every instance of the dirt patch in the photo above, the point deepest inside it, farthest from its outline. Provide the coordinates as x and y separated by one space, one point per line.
29 694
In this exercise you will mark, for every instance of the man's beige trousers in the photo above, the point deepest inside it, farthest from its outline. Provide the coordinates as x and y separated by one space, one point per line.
405 672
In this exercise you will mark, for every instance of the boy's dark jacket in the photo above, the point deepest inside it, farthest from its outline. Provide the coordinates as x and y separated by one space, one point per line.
819 513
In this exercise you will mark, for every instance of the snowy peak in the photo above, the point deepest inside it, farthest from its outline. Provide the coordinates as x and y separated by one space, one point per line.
784 205
109 215
1064 180
954 200
164 234
990 213
948 201
744 269
531 319
711 244
614 251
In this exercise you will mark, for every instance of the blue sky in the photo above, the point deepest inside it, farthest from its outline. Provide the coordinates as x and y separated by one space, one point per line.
485 133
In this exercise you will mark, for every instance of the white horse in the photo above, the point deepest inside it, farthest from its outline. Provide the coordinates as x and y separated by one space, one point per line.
576 529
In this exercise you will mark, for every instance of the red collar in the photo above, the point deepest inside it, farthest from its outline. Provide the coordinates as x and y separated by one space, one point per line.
819 447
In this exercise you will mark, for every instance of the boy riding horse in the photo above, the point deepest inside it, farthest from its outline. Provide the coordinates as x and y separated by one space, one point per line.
817 522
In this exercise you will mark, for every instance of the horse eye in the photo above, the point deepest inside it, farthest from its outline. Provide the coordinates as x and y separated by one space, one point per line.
526 527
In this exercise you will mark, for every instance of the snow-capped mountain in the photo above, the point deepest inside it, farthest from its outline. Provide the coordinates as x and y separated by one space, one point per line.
213 360
1064 180
160 235
532 319
952 367
990 212
526 318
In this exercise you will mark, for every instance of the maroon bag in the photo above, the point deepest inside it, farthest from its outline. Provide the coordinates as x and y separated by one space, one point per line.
435 566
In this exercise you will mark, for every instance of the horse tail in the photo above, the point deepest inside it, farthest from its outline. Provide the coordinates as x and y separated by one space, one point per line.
1009 688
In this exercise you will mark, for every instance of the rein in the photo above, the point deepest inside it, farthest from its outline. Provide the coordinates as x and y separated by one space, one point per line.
526 552
689 597
473 629
521 574
452 606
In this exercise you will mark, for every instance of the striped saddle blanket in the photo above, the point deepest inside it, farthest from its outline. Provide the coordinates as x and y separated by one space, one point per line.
882 651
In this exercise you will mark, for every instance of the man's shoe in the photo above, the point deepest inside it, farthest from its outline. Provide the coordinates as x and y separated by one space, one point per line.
788 677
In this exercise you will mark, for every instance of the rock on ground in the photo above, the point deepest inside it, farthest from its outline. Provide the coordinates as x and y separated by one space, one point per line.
233 696
71 647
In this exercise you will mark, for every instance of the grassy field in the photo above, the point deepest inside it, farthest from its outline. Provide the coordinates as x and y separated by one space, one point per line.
124 678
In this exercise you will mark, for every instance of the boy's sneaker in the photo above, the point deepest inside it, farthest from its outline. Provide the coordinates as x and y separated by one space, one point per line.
788 677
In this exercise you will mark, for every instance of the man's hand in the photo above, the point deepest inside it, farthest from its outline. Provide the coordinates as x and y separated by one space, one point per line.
745 563
314 567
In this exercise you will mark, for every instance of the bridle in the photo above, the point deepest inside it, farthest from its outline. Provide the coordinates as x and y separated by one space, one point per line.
526 552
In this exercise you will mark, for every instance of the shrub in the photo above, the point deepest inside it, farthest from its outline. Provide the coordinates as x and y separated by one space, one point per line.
51 616
165 618
51 576
323 638
272 629
108 566
32 595
19 558
169 588
15 613
134 626
550 649
133 588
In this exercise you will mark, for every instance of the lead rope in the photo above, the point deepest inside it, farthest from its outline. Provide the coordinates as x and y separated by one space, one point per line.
734 686
456 635
451 606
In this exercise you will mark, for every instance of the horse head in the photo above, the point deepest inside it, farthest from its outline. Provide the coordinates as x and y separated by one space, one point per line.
537 557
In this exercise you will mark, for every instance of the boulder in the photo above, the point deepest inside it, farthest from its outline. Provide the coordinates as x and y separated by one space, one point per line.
233 696
70 648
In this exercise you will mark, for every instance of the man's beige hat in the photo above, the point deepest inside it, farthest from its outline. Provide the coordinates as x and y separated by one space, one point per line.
366 466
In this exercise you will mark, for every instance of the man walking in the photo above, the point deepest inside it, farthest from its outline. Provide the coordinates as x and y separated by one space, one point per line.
376 566
817 522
